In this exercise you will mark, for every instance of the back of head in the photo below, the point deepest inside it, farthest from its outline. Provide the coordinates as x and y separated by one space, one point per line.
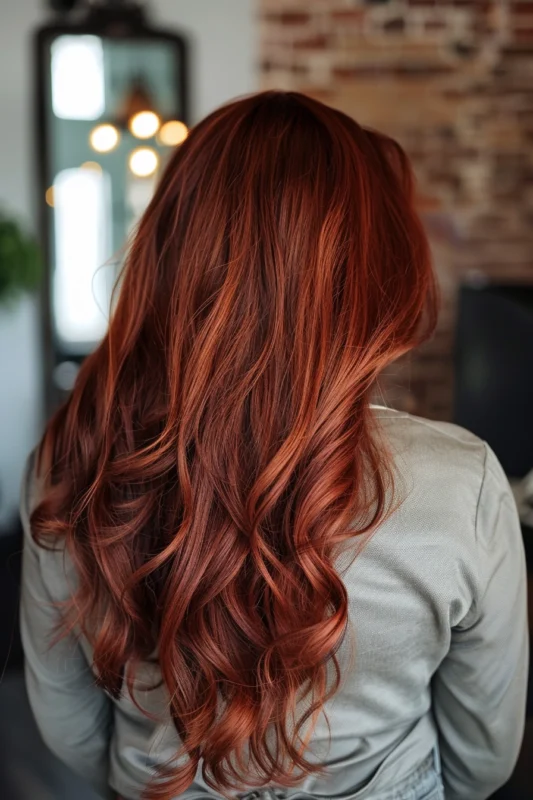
217 447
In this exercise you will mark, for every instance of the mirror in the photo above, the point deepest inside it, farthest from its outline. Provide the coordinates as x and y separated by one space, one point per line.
112 103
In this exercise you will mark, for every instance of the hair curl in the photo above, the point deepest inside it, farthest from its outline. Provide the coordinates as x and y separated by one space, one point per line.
217 447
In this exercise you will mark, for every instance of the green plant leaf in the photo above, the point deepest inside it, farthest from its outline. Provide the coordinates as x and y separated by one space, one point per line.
20 260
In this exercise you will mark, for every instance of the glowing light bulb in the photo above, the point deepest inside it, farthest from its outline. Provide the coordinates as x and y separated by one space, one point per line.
104 138
173 133
143 162
144 124
49 196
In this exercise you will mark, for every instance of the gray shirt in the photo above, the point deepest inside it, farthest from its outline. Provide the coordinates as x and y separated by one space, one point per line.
437 602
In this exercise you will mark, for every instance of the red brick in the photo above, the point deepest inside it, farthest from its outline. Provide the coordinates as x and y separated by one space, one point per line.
444 177
522 8
324 95
454 94
395 25
436 25
517 51
464 49
362 71
468 152
299 69
422 70
475 5
318 42
523 34
507 88
351 15
426 202
482 27
289 17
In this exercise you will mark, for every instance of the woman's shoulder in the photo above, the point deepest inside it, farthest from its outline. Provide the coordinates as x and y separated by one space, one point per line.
450 480
403 422
433 448
457 518
439 473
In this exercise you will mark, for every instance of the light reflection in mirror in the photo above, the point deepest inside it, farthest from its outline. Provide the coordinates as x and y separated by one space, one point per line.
81 294
78 87
173 133
104 138
143 161
144 124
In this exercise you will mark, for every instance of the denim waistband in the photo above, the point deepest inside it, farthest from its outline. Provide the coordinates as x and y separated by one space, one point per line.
430 762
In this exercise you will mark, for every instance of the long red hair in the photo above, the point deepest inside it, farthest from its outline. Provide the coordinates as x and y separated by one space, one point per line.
217 448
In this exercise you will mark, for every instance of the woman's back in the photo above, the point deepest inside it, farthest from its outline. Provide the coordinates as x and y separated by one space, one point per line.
436 661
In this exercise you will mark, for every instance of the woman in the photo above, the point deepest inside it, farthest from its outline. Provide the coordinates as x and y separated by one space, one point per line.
240 577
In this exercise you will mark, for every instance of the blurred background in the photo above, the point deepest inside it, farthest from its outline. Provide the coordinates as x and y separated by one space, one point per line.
94 96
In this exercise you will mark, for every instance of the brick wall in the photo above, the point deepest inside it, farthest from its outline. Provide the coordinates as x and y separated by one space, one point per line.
452 80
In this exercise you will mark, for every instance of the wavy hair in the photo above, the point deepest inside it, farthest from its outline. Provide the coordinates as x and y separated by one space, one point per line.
218 447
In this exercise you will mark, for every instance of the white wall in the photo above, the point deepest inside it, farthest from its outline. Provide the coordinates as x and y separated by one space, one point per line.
223 66
19 350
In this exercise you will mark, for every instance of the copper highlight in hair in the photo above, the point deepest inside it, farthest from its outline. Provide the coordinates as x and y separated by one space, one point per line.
217 447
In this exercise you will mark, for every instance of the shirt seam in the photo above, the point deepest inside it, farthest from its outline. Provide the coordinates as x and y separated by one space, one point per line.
481 487
476 599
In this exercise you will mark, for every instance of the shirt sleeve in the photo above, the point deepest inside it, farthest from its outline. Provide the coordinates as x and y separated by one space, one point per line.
72 713
479 691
